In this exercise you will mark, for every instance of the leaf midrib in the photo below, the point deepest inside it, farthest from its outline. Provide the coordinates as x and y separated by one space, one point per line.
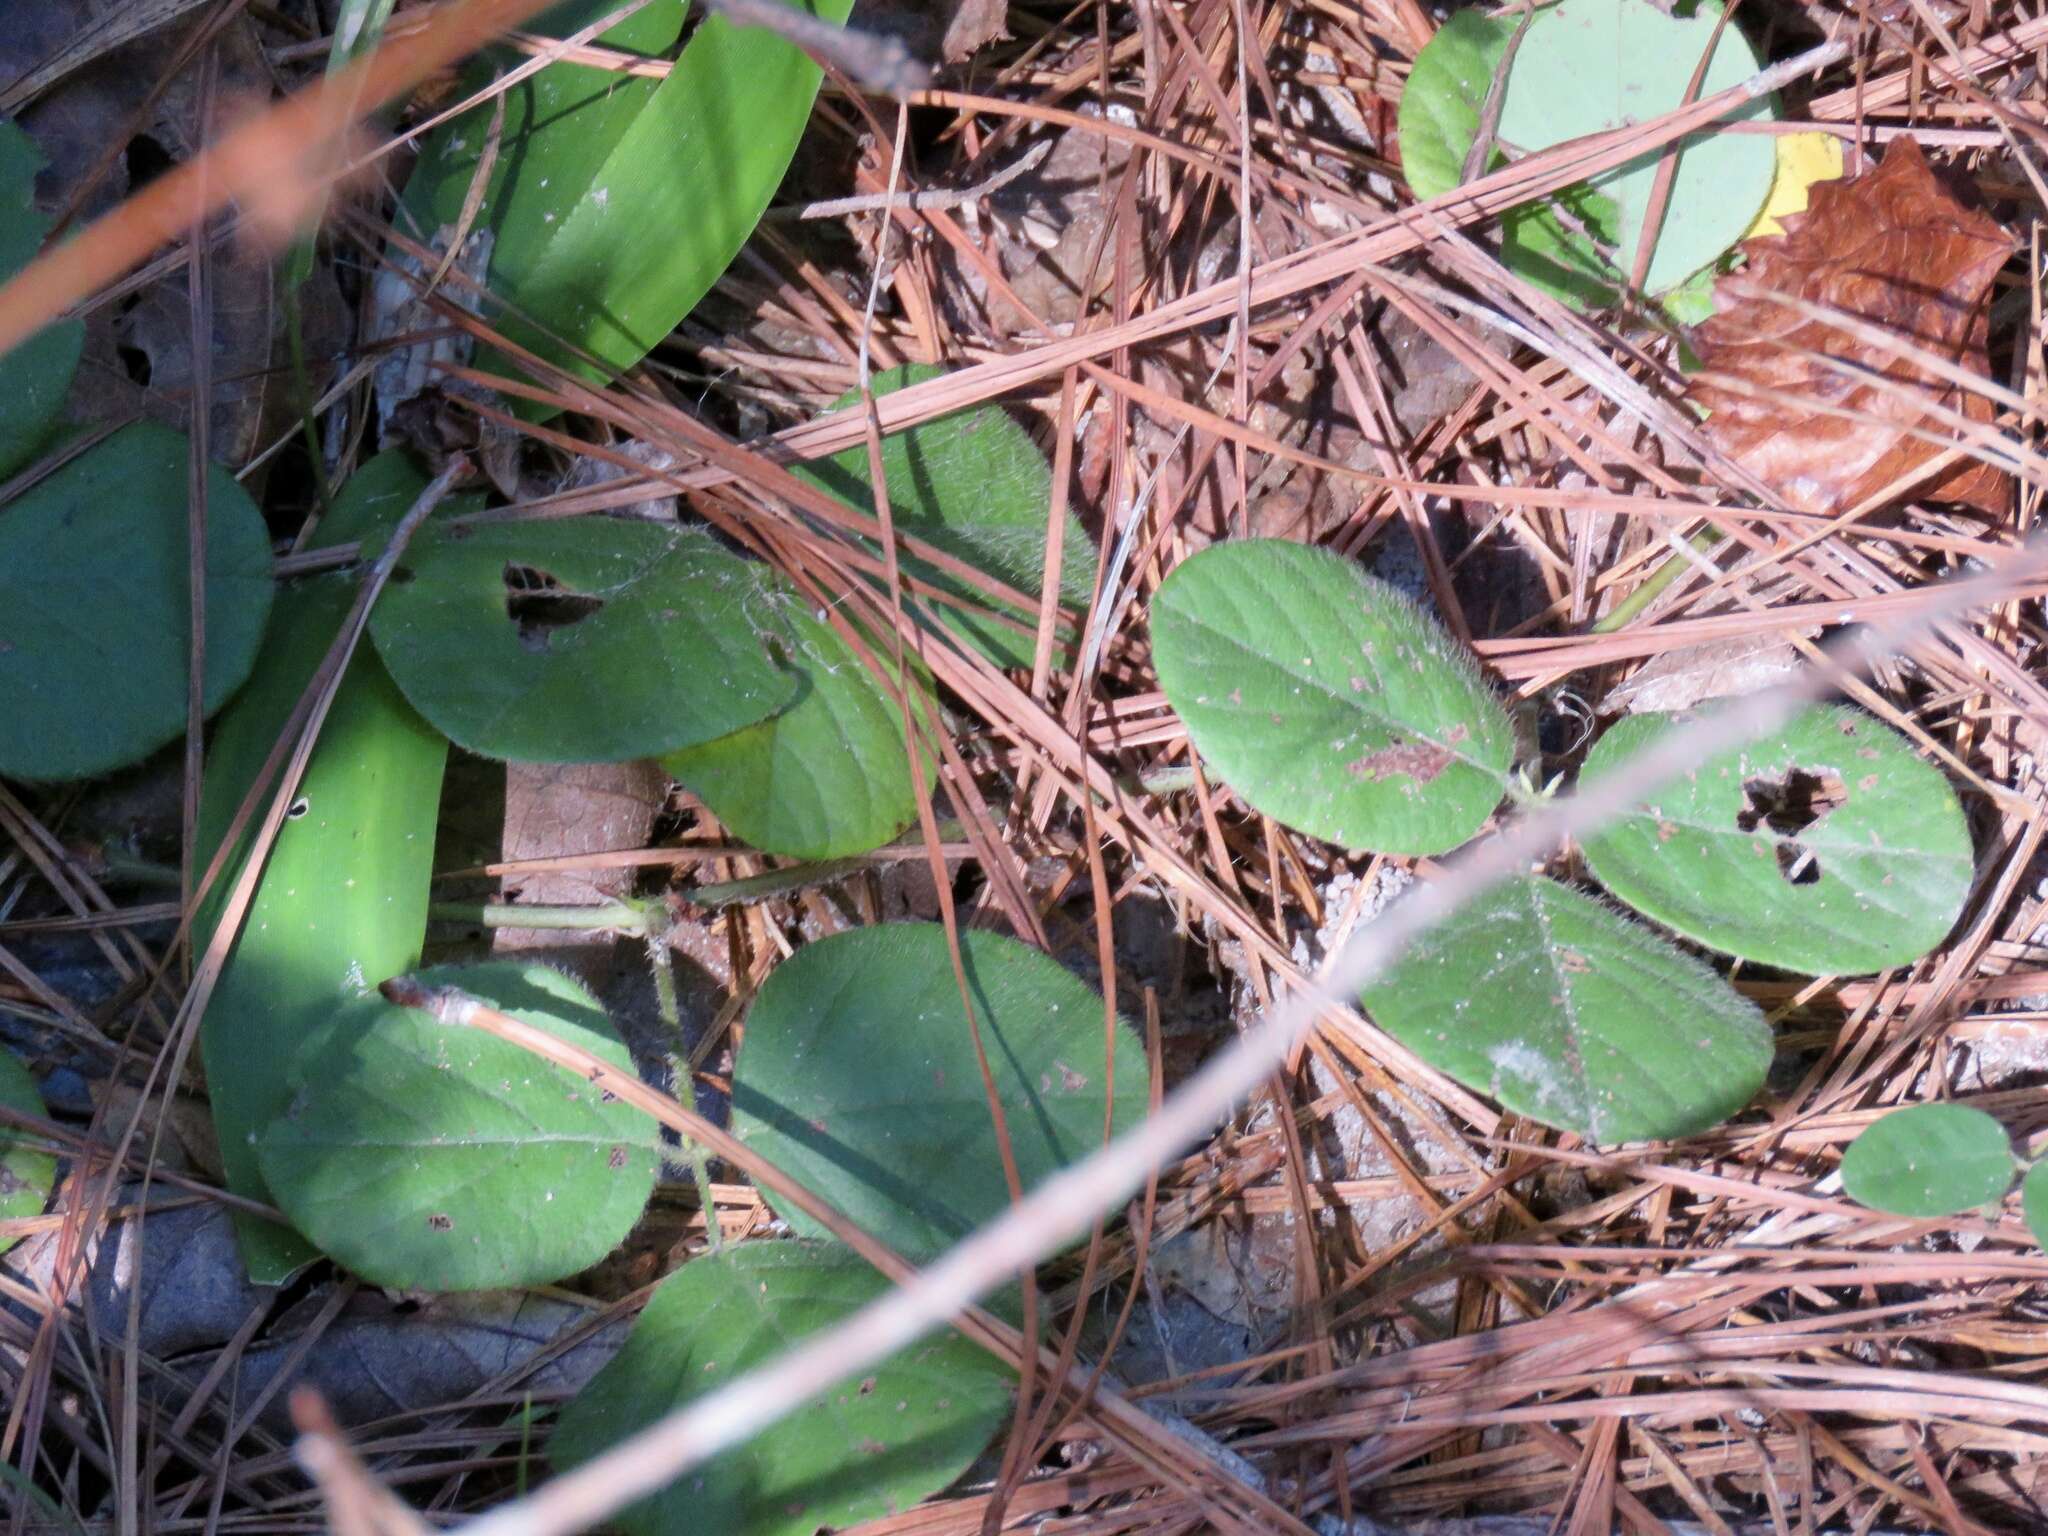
1356 702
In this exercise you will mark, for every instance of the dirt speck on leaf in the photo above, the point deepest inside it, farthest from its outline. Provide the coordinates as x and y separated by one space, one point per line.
1421 761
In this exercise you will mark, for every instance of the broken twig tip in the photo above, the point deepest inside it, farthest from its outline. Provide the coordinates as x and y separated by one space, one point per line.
406 992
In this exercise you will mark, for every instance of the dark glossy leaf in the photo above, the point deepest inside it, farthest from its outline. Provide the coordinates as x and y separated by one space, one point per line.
859 1078
866 1447
95 613
587 641
431 1157
35 376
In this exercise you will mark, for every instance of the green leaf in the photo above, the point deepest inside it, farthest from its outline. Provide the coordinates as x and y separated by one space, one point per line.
617 201
593 640
869 1446
343 901
829 775
2034 1202
35 377
1585 67
1543 248
859 1078
432 1157
1829 848
1692 301
26 1173
95 614
974 486
1570 1014
1930 1160
1328 700
1444 96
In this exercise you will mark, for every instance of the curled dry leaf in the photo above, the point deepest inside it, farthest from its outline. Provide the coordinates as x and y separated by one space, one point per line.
1890 247
1714 669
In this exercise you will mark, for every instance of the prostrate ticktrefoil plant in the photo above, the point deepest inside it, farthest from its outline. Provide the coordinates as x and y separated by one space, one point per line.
1333 704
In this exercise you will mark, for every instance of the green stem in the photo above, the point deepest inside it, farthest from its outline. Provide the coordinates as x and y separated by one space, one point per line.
1170 780
117 864
505 914
302 381
777 882
801 877
670 1008
1630 608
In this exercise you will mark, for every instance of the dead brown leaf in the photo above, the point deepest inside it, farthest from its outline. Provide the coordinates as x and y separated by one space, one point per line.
558 808
1893 248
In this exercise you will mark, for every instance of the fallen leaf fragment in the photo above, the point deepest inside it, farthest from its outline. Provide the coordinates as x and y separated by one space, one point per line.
1892 248
1715 669
1803 159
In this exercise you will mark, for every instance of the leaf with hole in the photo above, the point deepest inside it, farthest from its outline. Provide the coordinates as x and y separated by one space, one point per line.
973 486
1929 1160
342 903
859 1077
36 373
829 775
616 200
864 1448
26 1172
432 1157
1327 700
593 640
95 607
1585 67
1570 1014
1829 848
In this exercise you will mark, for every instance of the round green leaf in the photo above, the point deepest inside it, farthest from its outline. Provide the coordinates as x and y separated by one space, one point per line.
974 486
1587 66
95 614
2034 1202
1444 96
1328 700
1930 1160
431 1157
1829 848
869 1446
859 1078
1570 1014
828 776
37 373
26 1173
588 641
